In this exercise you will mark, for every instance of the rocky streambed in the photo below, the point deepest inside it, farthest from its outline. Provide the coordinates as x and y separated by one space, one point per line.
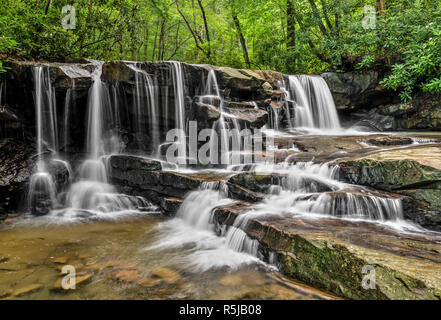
340 213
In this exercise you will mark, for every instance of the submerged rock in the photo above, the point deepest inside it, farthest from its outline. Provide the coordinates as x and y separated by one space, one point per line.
390 141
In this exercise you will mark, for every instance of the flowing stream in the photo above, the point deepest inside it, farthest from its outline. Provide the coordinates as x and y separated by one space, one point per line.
130 239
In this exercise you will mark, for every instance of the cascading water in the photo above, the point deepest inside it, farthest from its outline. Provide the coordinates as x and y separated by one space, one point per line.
321 103
192 230
177 77
146 112
308 105
92 192
41 195
225 122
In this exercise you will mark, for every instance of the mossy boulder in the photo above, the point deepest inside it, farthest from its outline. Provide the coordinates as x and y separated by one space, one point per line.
390 175
419 182
398 109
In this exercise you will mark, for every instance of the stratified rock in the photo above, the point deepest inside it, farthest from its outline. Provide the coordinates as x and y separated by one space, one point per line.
244 84
390 141
334 255
128 162
255 182
27 290
413 177
118 71
391 175
356 90
398 109
205 114
248 117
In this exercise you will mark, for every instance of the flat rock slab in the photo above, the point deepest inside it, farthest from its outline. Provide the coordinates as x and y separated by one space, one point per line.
330 254
425 155
329 148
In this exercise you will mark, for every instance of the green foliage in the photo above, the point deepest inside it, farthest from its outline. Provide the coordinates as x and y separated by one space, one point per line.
415 33
310 36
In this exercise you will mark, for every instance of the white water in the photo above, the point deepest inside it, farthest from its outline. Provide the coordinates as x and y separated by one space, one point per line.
41 191
193 231
180 114
146 111
90 196
305 190
309 106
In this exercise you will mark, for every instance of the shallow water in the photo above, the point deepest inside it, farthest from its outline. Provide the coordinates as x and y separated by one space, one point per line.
119 260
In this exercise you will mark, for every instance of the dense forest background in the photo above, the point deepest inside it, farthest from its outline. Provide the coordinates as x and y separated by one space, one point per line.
402 38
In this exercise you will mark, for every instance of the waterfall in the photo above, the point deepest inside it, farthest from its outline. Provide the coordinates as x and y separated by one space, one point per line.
308 105
310 189
41 195
212 96
321 103
45 110
92 191
177 76
193 230
145 107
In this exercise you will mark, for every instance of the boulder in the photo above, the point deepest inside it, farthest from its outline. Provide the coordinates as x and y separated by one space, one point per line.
414 177
128 162
358 89
243 84
334 255
397 109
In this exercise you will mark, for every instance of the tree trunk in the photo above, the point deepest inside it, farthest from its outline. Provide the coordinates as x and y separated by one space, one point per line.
291 34
242 41
47 7
381 6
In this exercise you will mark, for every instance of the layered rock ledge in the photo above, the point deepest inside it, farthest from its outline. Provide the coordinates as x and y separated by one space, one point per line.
330 254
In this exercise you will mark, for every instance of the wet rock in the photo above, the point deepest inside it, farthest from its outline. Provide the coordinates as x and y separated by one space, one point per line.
330 254
243 84
390 175
375 121
16 164
256 182
60 260
127 162
244 194
248 117
357 90
127 275
80 279
205 114
408 177
170 205
390 141
27 290
398 109
166 274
